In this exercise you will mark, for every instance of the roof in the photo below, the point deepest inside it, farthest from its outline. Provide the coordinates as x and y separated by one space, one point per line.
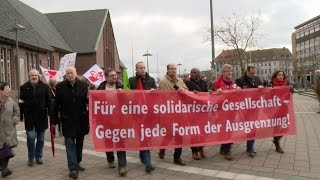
39 31
307 22
81 29
257 55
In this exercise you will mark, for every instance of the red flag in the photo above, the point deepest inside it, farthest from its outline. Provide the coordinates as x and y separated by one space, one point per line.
139 87
52 129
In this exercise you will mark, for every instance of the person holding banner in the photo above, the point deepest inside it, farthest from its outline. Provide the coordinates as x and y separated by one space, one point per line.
196 84
278 78
142 81
71 102
172 82
35 102
250 80
111 83
224 82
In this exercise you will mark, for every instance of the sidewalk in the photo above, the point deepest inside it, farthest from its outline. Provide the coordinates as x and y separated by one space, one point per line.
301 159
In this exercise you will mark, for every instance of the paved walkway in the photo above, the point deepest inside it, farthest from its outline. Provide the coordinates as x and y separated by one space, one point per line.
300 161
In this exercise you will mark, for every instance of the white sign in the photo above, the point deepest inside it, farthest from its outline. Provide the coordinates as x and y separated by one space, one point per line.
95 75
68 60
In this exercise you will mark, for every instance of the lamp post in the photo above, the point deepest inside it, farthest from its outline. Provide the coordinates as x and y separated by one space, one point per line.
17 28
212 42
147 54
179 69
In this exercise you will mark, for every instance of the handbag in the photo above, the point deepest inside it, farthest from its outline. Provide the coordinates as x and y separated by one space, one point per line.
6 152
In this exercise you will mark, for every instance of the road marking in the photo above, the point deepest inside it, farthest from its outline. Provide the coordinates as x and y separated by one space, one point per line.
186 169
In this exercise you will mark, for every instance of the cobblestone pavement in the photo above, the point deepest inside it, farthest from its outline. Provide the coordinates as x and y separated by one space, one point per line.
301 160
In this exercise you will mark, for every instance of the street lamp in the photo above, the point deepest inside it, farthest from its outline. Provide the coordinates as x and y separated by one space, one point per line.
212 40
147 54
18 27
179 68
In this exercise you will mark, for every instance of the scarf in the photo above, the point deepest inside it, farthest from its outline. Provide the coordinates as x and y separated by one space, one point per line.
139 87
276 82
3 100
223 84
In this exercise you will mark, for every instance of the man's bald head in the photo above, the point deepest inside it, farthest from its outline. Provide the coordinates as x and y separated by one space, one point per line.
71 74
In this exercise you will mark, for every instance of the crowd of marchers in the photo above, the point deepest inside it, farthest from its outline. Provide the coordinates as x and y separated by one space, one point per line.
65 105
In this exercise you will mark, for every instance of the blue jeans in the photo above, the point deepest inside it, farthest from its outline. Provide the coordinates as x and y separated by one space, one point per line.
145 157
250 145
35 148
121 155
226 148
74 146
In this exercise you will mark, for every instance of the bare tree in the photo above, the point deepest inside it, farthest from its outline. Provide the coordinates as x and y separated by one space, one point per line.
239 32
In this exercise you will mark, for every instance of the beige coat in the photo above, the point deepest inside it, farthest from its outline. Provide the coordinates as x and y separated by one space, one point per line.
167 83
8 121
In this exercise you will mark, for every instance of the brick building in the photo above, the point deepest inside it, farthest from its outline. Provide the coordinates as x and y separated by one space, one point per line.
45 38
266 61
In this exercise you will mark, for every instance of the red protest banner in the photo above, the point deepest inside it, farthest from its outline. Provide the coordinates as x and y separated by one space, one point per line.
132 120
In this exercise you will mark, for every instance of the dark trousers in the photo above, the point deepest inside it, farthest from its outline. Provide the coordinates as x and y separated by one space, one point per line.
74 146
145 157
225 148
196 149
177 153
4 163
121 155
250 145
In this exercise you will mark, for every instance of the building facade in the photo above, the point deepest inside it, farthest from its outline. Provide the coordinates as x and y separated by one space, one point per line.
45 38
306 49
266 61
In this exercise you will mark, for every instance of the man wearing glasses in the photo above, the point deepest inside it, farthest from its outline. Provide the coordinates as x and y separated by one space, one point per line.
111 83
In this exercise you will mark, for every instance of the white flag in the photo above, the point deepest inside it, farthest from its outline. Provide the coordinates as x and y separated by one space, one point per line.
48 73
68 60
95 75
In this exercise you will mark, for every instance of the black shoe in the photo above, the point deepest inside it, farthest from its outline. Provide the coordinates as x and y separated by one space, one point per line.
6 172
81 168
252 153
73 174
39 161
179 162
30 163
122 170
149 169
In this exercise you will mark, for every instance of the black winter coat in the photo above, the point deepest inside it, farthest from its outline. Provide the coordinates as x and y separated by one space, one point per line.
197 85
35 104
102 86
71 102
246 82
147 82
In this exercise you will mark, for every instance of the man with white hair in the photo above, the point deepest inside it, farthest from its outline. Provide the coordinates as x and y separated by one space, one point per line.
35 103
71 103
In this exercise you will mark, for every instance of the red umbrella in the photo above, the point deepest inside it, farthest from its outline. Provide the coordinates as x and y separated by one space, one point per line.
52 129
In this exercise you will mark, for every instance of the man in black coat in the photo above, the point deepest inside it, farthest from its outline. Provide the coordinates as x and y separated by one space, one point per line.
142 81
35 103
71 103
196 84
250 80
111 83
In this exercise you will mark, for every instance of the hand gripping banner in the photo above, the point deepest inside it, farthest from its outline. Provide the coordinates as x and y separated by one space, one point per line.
140 119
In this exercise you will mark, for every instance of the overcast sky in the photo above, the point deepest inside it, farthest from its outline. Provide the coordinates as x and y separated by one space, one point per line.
175 29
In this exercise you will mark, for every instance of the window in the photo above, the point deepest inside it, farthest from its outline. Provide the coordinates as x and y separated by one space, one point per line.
2 64
9 67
